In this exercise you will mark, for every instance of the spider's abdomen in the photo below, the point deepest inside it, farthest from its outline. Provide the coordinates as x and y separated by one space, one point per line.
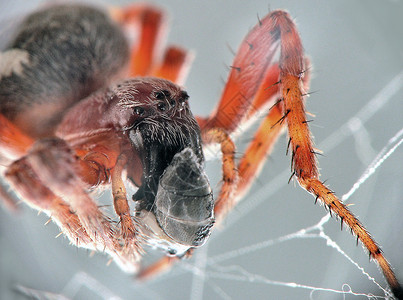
184 201
60 55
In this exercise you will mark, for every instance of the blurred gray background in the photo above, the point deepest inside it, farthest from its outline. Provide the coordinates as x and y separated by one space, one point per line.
356 51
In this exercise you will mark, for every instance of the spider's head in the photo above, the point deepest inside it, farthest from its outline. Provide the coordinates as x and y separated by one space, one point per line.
168 164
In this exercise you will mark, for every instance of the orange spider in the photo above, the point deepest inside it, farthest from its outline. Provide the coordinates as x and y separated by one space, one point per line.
71 121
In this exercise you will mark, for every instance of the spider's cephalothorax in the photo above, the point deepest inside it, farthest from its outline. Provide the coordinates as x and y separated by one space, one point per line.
70 122
150 120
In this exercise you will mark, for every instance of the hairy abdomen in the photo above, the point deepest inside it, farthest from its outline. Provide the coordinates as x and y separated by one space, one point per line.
59 56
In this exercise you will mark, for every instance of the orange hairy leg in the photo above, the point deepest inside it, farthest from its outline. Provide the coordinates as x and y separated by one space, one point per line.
254 63
160 266
20 174
305 169
146 25
303 155
30 186
13 144
38 196
120 201
225 199
266 135
54 154
64 197
258 150
174 66
12 139
122 209
236 107
251 88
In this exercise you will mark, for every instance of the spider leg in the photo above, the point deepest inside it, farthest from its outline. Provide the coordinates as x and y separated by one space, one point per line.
254 71
258 150
131 247
13 145
65 199
252 87
146 26
264 139
162 265
53 163
26 182
174 66
304 163
79 173
35 194
226 197
13 142
244 93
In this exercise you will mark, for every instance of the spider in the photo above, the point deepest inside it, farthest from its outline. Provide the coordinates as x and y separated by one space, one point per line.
78 115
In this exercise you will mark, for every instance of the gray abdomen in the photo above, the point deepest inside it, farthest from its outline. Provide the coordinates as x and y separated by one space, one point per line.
66 53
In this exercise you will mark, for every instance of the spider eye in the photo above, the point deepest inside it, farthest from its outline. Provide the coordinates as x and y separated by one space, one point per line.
139 111
160 95
162 106
185 96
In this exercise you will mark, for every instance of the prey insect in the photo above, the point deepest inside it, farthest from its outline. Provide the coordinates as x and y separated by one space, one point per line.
85 103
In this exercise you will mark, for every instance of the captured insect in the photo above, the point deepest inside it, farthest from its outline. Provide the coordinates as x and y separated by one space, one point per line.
77 114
